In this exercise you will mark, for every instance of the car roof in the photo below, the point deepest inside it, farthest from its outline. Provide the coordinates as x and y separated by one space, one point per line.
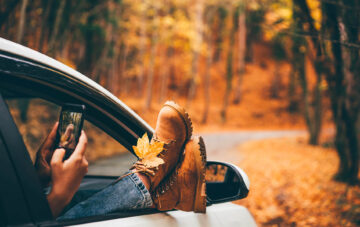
35 56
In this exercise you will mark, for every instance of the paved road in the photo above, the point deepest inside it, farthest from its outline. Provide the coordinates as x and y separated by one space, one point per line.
220 146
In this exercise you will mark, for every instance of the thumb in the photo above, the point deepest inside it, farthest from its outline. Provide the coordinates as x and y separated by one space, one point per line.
58 156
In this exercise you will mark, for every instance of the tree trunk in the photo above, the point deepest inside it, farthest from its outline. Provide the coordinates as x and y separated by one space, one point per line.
168 54
151 75
123 66
142 52
293 104
54 34
196 48
154 45
241 52
300 70
207 83
317 122
276 81
20 32
343 87
301 16
336 90
351 105
219 34
165 73
229 70
9 9
209 61
44 28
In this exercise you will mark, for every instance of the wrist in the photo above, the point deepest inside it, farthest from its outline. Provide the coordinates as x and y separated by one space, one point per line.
60 194
57 202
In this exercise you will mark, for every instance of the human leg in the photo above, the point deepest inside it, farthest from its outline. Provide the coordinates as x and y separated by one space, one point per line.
130 193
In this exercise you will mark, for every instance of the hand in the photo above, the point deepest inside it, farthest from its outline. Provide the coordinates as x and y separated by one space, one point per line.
67 175
43 157
67 139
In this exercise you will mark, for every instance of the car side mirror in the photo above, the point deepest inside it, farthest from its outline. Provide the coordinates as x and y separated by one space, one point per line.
225 182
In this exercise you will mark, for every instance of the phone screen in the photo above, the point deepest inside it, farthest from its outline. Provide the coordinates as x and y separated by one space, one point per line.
70 126
69 129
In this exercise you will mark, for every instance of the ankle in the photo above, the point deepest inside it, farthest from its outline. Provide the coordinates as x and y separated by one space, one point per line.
145 179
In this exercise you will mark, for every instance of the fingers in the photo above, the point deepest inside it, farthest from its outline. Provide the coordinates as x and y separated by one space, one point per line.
81 146
58 156
49 141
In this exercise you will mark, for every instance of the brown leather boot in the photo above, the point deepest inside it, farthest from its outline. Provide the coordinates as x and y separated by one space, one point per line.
184 189
174 128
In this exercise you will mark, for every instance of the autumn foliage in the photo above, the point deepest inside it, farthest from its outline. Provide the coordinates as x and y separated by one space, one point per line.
292 185
235 65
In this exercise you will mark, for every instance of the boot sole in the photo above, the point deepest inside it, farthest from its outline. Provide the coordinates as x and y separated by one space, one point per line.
184 116
200 159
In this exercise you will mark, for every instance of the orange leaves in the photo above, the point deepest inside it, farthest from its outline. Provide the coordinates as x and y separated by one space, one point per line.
292 185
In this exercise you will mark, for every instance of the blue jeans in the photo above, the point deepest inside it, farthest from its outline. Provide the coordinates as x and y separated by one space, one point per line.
127 194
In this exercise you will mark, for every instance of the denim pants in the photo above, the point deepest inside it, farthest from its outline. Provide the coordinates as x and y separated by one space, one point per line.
127 194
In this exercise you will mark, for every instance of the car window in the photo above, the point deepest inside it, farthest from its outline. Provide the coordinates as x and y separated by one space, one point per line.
35 117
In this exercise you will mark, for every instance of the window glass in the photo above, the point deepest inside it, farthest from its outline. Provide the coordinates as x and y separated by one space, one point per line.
105 155
35 117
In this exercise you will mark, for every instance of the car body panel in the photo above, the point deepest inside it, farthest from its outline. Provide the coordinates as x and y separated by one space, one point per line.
225 214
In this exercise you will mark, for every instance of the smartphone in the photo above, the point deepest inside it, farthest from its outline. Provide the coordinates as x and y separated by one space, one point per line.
70 125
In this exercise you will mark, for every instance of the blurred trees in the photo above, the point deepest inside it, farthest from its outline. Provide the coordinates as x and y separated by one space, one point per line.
172 48
339 61
125 45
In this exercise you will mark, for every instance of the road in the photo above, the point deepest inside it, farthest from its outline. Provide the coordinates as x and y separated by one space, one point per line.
220 146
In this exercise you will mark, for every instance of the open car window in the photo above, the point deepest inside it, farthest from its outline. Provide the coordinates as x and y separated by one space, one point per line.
35 118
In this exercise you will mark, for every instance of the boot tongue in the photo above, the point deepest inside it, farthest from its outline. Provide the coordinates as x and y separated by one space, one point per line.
141 168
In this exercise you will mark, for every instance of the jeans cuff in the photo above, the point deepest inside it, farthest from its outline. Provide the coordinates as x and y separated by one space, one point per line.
141 187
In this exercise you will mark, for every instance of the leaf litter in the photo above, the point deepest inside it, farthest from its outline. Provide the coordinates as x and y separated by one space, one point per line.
292 185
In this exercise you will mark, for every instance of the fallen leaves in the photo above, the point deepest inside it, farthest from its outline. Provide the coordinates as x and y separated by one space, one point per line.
148 152
291 185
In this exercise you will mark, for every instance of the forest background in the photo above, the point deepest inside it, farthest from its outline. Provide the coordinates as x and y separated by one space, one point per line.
235 65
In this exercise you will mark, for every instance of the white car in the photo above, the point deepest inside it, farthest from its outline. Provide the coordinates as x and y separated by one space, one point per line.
33 87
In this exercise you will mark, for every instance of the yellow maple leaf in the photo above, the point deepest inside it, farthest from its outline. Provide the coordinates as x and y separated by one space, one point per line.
142 146
148 152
